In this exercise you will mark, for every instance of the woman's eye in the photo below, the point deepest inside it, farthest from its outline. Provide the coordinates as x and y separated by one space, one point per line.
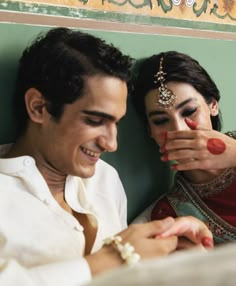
189 112
159 121
94 122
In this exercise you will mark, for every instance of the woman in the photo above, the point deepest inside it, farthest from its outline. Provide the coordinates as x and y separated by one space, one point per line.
179 100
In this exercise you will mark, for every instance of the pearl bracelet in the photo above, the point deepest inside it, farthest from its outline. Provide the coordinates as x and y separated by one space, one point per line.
126 251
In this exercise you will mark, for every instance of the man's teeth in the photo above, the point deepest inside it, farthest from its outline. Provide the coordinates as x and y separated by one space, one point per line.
90 153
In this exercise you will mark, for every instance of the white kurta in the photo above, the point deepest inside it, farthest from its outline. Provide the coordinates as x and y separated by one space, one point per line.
40 236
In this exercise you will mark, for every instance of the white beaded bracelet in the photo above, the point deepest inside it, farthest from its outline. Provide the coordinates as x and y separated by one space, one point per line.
126 251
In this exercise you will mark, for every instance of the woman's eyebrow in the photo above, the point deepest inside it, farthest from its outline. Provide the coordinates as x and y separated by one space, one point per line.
181 104
156 112
178 106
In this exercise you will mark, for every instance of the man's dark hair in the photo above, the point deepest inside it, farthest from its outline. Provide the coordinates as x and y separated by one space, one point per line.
58 63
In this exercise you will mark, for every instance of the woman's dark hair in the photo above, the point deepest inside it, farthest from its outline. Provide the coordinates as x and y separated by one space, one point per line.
58 64
178 68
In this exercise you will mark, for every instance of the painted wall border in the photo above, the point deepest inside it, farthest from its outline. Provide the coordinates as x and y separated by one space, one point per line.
92 24
43 9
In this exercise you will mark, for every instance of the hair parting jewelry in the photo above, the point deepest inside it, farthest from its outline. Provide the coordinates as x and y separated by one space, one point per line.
165 97
126 251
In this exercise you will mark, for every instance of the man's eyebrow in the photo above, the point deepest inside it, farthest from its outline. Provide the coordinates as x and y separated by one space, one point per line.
99 114
159 112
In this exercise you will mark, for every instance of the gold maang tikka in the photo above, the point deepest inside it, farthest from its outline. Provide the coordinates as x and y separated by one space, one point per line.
165 97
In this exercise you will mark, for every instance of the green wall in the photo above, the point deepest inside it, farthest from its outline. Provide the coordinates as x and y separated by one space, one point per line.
137 159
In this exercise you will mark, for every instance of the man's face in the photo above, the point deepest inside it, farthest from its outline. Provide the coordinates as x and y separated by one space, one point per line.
87 128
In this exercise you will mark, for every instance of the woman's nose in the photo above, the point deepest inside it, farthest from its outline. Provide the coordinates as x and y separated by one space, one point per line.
180 125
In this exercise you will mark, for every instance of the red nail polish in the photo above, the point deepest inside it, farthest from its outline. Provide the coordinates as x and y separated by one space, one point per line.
174 167
207 242
163 149
164 158
163 136
192 124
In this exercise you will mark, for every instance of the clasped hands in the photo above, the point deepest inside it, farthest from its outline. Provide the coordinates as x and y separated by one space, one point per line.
161 237
154 239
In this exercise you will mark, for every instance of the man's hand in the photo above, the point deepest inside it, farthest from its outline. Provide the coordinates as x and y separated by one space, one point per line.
142 238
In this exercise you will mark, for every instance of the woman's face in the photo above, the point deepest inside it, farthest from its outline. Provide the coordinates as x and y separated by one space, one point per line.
189 104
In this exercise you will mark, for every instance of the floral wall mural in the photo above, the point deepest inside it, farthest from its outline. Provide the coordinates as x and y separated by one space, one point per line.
135 11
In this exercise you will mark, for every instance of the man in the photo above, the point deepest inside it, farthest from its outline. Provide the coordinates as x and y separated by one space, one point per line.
58 200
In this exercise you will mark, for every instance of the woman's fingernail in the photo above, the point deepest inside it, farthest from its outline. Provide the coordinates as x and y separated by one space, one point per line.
164 158
163 136
192 124
174 167
207 242
163 149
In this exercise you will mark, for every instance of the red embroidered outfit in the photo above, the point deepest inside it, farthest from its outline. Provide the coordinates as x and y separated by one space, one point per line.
213 202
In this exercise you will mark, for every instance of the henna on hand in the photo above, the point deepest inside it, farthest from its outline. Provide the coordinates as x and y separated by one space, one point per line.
216 146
